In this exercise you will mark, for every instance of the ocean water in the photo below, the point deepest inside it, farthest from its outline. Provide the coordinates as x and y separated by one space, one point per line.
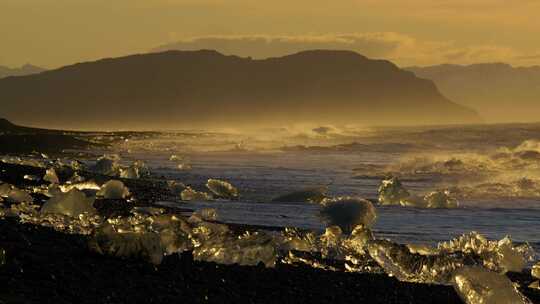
355 165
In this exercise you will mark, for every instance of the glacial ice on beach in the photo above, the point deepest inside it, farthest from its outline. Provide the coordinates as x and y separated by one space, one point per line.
107 165
51 177
477 285
391 191
222 189
113 189
71 204
251 248
313 195
499 256
176 187
535 271
348 212
189 194
145 244
397 260
440 199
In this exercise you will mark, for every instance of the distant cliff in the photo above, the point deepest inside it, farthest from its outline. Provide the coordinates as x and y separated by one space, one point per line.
26 69
499 92
206 88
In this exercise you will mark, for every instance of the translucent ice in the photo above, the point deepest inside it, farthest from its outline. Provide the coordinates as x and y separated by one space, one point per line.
391 192
348 212
247 249
440 199
397 260
477 285
51 177
106 165
144 244
190 194
71 204
535 271
114 189
500 256
222 189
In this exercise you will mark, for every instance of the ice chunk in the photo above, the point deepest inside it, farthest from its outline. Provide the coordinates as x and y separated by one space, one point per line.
535 271
31 177
348 212
248 249
477 285
145 244
222 189
71 204
106 165
391 192
534 285
176 187
5 189
314 195
500 256
190 194
398 261
114 189
440 199
294 239
51 177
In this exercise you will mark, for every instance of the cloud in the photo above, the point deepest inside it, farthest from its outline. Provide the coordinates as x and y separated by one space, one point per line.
402 49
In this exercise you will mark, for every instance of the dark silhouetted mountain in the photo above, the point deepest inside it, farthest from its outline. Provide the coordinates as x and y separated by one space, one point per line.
499 92
26 69
206 88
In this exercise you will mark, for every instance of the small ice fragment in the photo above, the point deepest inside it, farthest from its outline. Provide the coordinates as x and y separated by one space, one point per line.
190 194
477 285
348 212
176 187
71 204
413 201
440 199
31 177
391 192
106 165
535 271
5 189
314 195
129 172
51 177
113 189
222 189
535 285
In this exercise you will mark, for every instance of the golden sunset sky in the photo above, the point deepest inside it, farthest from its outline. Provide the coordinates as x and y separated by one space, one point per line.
52 33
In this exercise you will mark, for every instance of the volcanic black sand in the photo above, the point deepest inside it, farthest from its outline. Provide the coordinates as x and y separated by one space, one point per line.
45 266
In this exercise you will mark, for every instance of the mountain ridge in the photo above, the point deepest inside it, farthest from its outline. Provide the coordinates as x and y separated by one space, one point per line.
208 88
